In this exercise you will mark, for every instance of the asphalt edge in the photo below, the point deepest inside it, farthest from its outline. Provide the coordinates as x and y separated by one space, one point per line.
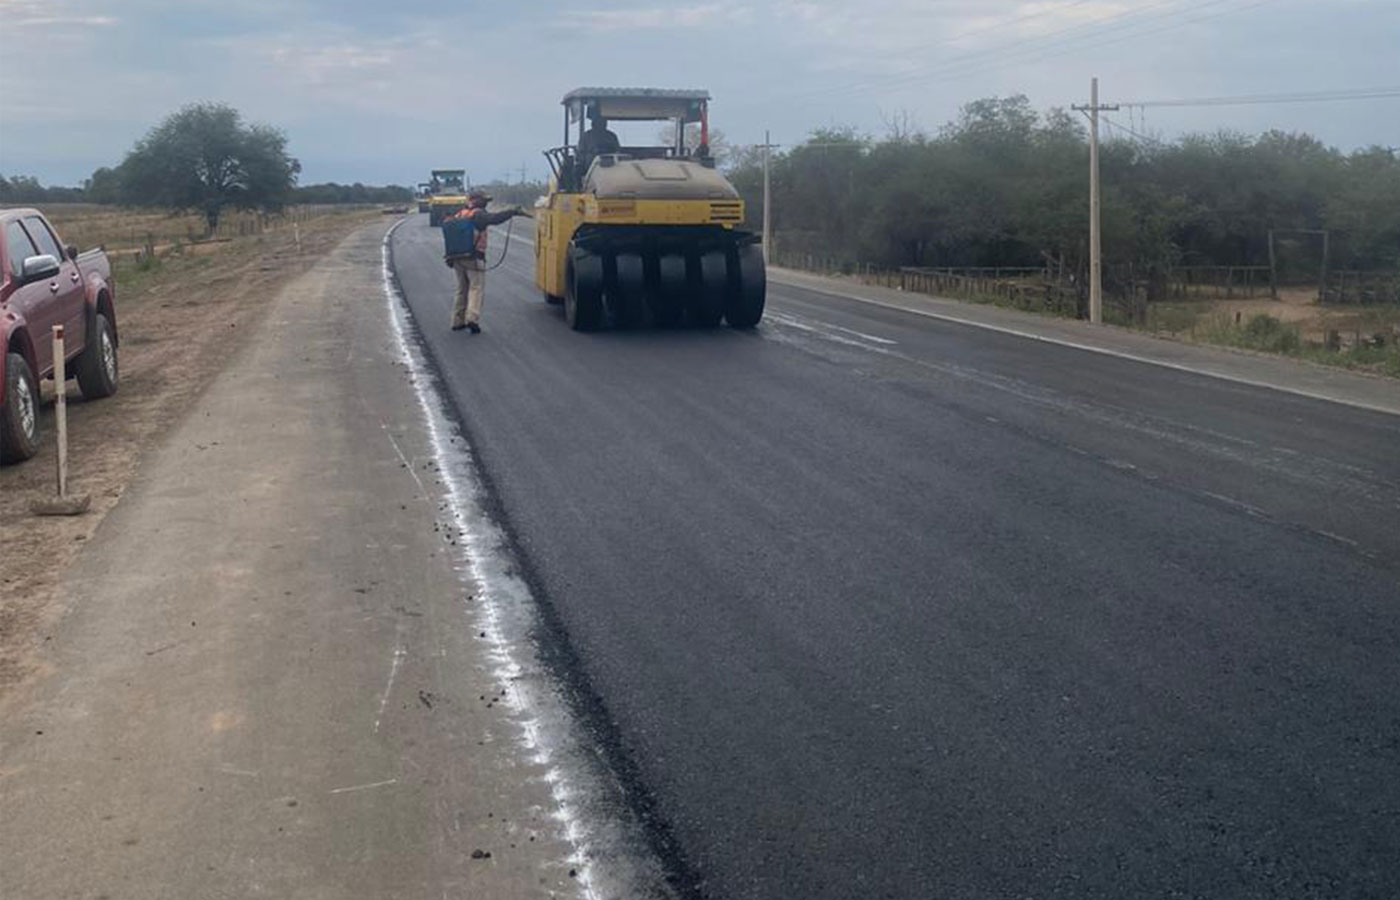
1090 348
555 651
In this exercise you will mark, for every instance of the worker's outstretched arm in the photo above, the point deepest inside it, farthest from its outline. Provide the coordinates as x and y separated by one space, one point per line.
484 218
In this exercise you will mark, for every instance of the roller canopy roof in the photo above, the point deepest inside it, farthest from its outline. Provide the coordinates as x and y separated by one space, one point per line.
637 104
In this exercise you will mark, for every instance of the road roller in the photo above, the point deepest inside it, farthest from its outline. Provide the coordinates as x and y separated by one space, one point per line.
447 195
632 236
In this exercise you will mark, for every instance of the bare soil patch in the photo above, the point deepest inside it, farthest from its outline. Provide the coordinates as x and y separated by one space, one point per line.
180 322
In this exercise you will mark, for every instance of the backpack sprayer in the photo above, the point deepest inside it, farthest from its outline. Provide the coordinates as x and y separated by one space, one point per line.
459 239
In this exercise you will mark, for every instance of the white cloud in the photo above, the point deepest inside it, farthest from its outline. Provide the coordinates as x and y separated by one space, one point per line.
316 63
50 14
607 21
366 88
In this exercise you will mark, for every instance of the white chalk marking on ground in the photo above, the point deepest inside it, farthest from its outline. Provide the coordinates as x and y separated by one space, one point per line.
230 770
1091 348
505 613
399 654
1238 504
860 334
790 321
399 450
1338 538
364 787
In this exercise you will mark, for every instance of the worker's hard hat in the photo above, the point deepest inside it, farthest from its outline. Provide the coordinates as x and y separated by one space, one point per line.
479 196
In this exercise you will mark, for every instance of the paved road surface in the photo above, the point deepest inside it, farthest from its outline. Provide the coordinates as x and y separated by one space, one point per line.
878 606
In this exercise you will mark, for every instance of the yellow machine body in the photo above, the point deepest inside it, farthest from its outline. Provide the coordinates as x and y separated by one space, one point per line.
647 234
447 194
557 222
443 206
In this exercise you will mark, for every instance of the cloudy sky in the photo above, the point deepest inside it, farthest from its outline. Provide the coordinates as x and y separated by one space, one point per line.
381 90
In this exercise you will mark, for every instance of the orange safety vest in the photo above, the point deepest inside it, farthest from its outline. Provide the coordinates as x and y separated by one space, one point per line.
480 237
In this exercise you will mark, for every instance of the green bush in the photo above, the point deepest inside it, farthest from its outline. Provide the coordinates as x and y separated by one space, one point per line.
1264 332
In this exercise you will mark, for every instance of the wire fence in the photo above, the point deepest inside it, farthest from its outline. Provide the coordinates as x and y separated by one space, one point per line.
1026 288
123 231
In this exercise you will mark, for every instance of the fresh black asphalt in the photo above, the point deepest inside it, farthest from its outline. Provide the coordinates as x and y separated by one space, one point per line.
879 606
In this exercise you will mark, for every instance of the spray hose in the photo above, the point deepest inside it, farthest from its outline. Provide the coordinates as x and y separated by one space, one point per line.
505 248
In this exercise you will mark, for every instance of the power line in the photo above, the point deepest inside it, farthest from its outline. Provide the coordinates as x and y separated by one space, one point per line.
993 57
920 72
1119 126
1002 23
1038 54
1290 97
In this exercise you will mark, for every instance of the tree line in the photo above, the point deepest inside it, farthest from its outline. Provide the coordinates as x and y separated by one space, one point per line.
203 158
1004 185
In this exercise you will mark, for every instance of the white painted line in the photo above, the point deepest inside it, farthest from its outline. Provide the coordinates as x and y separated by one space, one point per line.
1103 351
606 849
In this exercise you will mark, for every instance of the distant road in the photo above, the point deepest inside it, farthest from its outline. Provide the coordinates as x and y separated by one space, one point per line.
885 607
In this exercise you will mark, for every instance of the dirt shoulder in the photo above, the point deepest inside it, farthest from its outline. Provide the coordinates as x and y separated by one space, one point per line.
273 676
180 323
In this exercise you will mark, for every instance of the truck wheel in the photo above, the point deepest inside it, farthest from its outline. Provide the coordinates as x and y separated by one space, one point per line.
97 367
19 418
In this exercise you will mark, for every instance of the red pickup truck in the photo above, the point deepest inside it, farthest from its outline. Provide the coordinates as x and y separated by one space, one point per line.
44 283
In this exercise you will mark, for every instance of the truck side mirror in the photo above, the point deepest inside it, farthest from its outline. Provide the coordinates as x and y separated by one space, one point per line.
72 251
36 268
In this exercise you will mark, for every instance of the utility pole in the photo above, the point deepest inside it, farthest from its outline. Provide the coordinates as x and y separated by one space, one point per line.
768 146
1095 245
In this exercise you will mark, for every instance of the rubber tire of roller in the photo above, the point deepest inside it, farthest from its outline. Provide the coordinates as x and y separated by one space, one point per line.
668 304
629 301
583 303
706 306
744 307
17 444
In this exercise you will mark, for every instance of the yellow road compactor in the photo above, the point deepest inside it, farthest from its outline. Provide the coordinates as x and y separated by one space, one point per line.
447 194
642 235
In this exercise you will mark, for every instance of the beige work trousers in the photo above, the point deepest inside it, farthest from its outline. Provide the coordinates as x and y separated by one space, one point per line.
471 288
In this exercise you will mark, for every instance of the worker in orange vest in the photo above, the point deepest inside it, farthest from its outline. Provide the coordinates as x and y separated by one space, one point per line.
469 263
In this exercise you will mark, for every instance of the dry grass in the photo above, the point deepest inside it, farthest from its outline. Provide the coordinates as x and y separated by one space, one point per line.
181 319
118 229
1365 338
